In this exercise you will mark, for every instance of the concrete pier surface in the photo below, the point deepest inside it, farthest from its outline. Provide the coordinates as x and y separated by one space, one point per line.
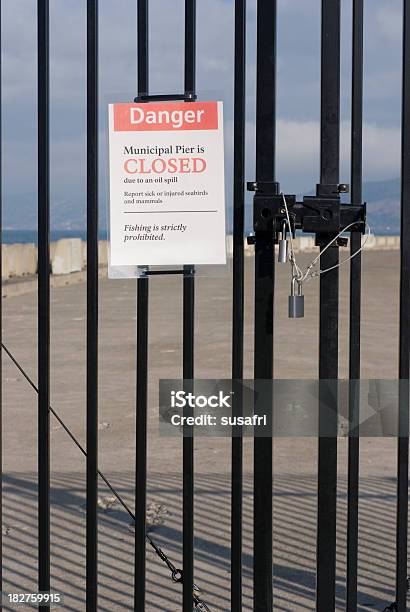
295 460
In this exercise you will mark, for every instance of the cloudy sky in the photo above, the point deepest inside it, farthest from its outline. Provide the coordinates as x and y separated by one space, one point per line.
298 84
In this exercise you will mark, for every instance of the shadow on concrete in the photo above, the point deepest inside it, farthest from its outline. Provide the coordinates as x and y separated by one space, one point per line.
294 521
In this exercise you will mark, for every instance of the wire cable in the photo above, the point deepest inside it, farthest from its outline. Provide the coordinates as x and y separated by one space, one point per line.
176 574
300 276
292 257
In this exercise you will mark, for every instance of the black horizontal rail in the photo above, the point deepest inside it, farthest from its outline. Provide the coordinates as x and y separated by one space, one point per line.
183 97
188 272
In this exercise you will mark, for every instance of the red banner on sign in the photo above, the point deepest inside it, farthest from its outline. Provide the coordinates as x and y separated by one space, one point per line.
170 116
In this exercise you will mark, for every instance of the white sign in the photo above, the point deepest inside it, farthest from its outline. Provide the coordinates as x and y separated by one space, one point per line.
167 185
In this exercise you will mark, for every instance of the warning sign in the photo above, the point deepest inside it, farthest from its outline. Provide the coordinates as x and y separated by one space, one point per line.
167 186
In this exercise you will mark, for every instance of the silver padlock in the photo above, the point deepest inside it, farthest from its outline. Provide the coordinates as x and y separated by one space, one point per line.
283 246
296 300
283 251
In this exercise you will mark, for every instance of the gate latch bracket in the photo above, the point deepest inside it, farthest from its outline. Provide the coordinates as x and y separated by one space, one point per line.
322 214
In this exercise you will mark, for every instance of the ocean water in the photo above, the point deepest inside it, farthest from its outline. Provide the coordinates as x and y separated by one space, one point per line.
30 236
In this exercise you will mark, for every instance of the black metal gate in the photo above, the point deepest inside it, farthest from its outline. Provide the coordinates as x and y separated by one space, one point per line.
266 229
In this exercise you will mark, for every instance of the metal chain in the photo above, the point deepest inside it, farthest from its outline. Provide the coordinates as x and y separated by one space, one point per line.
176 574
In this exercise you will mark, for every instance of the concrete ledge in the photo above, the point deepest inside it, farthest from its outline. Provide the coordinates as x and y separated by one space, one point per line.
18 260
70 254
383 243
66 256
102 253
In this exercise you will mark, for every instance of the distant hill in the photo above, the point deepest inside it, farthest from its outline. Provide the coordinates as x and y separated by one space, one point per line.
383 202
383 205
20 212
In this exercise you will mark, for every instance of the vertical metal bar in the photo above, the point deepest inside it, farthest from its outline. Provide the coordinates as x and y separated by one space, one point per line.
188 445
329 306
92 303
188 345
355 310
142 356
43 298
143 47
238 298
141 443
1 311
264 294
404 343
190 47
